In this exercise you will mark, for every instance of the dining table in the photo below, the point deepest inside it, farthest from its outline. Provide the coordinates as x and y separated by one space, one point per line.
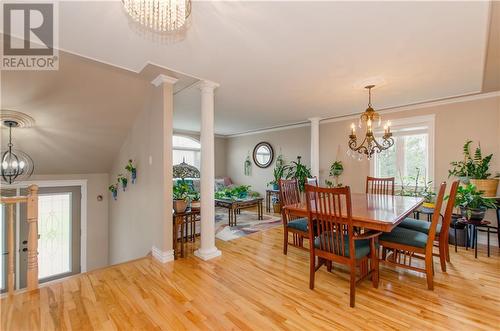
379 212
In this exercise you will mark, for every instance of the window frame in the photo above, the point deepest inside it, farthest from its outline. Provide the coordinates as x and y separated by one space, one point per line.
427 123
188 149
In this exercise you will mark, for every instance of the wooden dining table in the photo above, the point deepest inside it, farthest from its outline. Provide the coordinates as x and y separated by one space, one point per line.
371 211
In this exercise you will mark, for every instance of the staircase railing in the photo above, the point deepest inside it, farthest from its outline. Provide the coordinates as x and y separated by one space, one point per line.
31 201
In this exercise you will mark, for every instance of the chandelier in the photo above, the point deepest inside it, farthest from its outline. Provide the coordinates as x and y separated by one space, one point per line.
15 164
369 145
159 15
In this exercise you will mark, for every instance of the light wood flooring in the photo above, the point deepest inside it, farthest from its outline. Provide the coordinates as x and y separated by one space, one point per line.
253 286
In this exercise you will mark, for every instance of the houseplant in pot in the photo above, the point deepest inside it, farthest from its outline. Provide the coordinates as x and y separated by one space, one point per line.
475 169
194 197
472 203
278 173
300 172
180 195
336 169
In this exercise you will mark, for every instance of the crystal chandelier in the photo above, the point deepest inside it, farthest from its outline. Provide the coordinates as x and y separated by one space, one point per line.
16 165
369 145
159 15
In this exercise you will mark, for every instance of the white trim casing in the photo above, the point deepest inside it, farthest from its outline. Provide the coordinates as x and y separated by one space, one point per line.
83 209
416 121
162 256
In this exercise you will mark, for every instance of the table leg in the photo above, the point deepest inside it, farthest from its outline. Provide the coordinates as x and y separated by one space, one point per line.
182 238
261 211
174 238
475 241
488 231
230 216
456 239
234 216
467 237
268 202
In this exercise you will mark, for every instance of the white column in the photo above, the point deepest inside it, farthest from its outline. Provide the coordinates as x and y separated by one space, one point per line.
315 146
207 248
165 253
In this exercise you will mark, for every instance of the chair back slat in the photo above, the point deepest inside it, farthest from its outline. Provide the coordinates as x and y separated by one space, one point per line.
445 227
330 218
436 216
289 192
380 185
312 181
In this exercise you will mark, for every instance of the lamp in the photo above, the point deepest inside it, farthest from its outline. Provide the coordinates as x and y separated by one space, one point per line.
15 164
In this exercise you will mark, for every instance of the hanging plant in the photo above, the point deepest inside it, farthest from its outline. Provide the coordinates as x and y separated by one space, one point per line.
248 166
123 180
132 170
114 190
336 169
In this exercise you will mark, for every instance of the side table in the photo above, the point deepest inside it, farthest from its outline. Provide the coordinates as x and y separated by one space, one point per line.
473 226
269 196
181 223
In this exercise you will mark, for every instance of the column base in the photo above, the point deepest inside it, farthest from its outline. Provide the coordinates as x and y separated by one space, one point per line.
162 256
208 253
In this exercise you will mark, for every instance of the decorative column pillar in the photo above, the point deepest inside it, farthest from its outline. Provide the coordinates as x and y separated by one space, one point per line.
315 146
165 253
32 210
207 248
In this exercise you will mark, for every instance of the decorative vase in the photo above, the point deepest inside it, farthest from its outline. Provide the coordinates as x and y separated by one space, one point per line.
277 208
114 194
133 175
276 186
428 206
124 186
489 186
180 206
473 214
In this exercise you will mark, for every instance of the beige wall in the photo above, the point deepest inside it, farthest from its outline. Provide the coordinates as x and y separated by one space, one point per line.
136 218
97 215
455 123
291 142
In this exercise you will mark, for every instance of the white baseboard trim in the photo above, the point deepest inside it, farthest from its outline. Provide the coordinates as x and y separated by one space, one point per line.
162 256
207 254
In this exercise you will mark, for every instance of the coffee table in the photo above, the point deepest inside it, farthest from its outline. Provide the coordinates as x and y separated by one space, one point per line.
234 207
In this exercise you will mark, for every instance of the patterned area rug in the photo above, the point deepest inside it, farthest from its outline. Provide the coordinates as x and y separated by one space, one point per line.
247 223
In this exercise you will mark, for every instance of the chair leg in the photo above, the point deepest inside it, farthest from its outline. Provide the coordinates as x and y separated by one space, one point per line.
374 264
429 271
312 269
329 266
447 246
353 285
285 241
442 256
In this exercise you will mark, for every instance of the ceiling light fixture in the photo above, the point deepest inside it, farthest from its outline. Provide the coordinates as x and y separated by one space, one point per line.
15 165
369 145
159 15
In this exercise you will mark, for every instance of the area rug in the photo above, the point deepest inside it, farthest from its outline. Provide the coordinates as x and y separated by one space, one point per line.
247 223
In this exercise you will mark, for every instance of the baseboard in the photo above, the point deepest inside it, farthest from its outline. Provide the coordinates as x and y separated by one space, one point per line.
207 255
162 256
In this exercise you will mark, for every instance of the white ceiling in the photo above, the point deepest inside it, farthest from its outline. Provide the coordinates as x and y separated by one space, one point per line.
283 62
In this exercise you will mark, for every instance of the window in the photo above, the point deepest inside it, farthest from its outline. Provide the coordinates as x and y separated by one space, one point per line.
186 149
411 158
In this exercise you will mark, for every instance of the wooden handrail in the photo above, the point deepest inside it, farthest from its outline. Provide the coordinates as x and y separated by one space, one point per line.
31 201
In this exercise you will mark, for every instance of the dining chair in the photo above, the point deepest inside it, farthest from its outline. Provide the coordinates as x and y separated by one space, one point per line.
334 239
297 226
442 229
380 185
413 244
312 181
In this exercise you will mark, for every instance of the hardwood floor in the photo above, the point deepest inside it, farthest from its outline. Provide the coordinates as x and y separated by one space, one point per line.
253 286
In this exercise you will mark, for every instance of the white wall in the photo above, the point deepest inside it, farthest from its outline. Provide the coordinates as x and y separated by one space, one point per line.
97 215
292 143
136 218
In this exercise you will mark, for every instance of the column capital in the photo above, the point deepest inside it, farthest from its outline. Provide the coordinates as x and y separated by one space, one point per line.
314 119
207 85
162 79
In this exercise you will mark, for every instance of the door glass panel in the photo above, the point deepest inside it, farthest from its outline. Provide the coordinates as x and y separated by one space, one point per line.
54 227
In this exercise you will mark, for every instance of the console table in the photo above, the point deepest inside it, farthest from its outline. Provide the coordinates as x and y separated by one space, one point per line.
181 223
269 196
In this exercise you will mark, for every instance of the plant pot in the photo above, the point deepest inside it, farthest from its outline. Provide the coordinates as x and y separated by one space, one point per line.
277 208
276 187
489 186
180 206
195 205
476 214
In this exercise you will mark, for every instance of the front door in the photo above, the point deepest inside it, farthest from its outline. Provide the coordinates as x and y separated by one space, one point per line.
59 234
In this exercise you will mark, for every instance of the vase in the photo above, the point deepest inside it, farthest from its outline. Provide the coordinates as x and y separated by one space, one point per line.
180 206
124 186
114 194
196 205
276 187
473 214
133 175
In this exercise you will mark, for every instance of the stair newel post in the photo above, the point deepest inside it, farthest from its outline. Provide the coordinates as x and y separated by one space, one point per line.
10 247
32 237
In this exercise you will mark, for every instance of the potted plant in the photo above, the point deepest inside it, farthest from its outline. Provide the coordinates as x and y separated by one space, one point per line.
300 172
475 169
429 196
114 190
278 173
132 170
472 203
194 197
336 169
123 180
180 196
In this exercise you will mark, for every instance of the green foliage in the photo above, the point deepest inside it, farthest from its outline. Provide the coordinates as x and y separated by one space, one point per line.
113 188
130 166
336 169
181 191
279 170
469 197
475 167
300 172
234 193
122 180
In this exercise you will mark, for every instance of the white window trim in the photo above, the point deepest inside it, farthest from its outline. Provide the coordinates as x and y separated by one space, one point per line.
424 120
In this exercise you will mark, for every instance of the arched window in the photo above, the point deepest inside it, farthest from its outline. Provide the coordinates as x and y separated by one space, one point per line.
187 149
